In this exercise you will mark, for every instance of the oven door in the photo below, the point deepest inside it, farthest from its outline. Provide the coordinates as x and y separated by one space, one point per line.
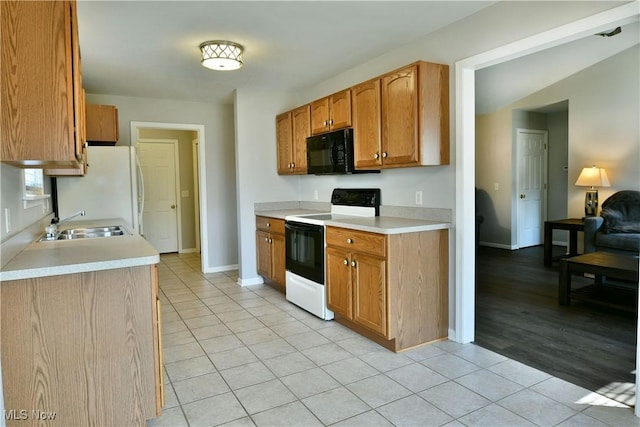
304 245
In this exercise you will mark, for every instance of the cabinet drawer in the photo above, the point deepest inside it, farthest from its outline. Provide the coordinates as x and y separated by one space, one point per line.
360 241
272 225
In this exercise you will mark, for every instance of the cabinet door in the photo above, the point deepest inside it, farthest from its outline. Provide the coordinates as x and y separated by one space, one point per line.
340 110
370 292
366 125
37 125
339 290
263 247
102 123
278 259
400 145
284 141
320 116
301 123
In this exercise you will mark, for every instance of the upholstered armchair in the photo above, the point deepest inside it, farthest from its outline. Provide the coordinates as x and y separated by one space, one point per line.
617 229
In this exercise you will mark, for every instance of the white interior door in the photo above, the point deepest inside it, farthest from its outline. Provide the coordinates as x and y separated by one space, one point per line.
532 172
158 161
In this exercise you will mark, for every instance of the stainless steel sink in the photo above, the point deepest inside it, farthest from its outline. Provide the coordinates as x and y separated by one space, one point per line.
87 232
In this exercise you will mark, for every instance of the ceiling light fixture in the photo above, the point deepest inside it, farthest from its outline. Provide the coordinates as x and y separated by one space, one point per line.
221 55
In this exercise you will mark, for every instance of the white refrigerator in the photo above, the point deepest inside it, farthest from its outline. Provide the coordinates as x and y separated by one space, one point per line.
112 187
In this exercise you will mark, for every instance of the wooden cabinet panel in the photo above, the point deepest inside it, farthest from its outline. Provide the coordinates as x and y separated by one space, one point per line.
400 117
284 141
331 113
354 240
338 278
102 124
301 125
270 250
320 116
40 83
370 292
263 253
292 130
366 125
81 345
356 281
340 109
278 259
397 296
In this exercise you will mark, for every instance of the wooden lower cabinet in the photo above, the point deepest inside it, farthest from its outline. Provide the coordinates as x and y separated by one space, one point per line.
82 348
391 288
270 247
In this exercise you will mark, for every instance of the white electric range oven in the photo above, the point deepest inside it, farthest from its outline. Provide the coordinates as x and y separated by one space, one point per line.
305 246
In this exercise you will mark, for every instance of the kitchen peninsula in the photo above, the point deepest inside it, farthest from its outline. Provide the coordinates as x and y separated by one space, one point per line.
386 277
80 338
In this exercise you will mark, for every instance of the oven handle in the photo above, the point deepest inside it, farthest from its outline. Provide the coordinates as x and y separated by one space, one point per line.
298 226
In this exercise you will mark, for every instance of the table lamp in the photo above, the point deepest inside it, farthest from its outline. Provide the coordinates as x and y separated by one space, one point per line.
592 177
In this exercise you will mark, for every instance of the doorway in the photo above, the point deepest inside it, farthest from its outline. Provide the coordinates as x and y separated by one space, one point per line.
191 195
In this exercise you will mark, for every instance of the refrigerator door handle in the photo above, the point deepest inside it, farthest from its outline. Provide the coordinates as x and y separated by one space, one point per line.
141 194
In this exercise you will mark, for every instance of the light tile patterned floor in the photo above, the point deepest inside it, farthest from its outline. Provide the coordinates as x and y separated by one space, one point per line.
245 356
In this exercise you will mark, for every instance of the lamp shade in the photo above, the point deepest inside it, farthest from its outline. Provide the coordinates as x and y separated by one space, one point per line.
593 177
221 55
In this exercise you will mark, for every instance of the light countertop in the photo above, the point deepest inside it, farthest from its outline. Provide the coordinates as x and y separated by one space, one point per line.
376 224
52 258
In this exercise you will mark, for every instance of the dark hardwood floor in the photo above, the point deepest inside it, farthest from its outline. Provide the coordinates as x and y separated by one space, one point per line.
518 315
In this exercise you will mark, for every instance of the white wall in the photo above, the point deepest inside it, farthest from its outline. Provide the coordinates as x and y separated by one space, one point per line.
220 160
256 169
602 130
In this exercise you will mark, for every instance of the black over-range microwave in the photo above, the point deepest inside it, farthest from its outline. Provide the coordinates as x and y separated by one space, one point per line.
330 153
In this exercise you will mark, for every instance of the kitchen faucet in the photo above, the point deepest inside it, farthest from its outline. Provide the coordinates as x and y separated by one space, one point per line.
52 229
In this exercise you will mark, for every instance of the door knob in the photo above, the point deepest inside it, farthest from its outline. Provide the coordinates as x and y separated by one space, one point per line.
173 206
522 196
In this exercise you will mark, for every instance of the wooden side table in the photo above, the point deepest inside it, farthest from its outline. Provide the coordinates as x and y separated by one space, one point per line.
573 225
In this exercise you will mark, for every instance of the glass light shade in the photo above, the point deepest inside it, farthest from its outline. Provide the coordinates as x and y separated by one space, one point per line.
593 177
221 55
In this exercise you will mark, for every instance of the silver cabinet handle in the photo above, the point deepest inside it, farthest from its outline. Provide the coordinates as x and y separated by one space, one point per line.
353 264
376 156
350 241
384 155
345 261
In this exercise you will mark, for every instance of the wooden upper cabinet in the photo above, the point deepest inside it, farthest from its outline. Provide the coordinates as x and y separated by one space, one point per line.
365 114
102 124
292 130
284 141
400 145
415 116
41 85
301 126
331 113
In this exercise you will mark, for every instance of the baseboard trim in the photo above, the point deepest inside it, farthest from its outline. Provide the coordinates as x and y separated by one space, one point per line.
258 280
499 246
221 269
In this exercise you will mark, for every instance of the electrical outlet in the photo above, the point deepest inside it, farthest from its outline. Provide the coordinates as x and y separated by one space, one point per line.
496 186
418 197
315 194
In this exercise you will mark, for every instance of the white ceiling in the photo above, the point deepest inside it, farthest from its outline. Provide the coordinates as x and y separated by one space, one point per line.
150 48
